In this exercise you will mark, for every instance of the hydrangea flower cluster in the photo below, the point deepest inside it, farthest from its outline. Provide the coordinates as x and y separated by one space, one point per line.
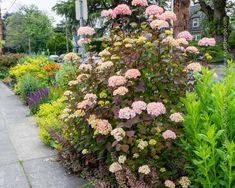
192 49
176 117
207 42
86 31
154 10
184 182
85 67
132 74
167 15
122 9
169 184
118 134
142 144
144 169
126 113
139 106
116 81
186 35
159 24
120 91
143 3
122 159
156 109
115 167
108 13
168 134
195 67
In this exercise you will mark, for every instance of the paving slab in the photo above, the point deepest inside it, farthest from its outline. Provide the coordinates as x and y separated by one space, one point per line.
7 151
44 173
12 176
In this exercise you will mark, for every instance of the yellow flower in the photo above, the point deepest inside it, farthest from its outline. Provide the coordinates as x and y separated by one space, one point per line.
79 113
107 102
115 57
103 95
101 103
141 40
162 170
168 32
117 44
152 142
128 40
209 57
149 44
128 45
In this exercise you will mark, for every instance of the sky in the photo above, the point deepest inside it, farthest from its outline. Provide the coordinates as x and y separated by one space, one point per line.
44 5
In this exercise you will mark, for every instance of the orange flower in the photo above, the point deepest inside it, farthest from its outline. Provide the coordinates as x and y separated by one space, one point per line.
51 67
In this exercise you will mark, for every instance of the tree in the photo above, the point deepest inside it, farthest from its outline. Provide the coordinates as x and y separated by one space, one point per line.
28 29
217 17
57 44
181 9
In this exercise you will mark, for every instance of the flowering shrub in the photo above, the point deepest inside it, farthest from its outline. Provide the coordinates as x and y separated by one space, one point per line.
35 98
123 109
48 121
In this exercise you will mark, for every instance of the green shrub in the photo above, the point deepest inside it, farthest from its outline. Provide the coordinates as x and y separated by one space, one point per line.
48 120
65 74
27 83
6 62
209 130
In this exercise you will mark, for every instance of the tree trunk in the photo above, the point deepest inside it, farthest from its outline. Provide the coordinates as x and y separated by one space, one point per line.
181 9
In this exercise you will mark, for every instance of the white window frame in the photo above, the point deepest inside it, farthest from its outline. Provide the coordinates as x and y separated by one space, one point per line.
196 22
197 37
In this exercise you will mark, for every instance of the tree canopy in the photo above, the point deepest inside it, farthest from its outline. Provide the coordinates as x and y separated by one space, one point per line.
28 29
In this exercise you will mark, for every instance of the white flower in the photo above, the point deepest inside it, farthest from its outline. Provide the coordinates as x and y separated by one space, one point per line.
122 159
142 144
144 169
115 167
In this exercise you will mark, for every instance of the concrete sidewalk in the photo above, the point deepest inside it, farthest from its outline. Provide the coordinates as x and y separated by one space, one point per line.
24 161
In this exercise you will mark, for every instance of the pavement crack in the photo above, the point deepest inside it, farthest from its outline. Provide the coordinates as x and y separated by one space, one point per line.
25 173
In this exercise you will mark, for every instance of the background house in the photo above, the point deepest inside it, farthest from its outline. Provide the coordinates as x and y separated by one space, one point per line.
195 21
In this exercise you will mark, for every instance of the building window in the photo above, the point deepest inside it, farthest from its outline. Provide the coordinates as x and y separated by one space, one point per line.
196 22
196 37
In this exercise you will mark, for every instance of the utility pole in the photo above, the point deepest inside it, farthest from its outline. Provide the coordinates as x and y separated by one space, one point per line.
66 30
81 25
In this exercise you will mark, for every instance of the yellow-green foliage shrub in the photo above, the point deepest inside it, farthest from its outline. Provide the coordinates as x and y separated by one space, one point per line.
33 65
48 119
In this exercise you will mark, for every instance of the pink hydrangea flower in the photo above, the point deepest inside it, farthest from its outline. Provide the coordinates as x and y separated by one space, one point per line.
90 97
156 109
186 35
86 31
116 81
168 134
108 13
207 42
159 24
176 117
168 15
103 127
120 91
154 10
122 9
132 73
126 113
143 3
85 104
169 183
192 49
195 67
139 106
